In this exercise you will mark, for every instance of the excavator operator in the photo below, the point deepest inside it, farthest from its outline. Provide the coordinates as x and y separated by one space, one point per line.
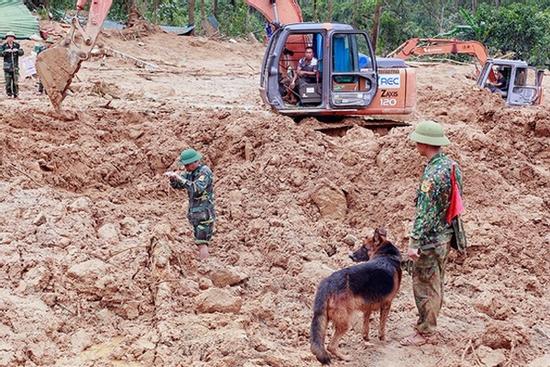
499 86
308 69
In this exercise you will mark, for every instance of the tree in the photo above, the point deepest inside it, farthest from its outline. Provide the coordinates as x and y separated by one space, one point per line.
215 8
376 23
191 12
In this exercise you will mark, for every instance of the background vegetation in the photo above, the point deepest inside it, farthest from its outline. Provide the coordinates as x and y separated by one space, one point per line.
505 26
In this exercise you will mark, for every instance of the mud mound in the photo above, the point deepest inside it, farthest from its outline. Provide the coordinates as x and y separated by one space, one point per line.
94 241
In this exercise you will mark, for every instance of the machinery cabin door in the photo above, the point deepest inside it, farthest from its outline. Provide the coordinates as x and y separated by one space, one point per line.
353 77
526 88
270 73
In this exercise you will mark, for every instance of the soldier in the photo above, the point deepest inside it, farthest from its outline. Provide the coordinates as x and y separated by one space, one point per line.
431 234
11 52
199 183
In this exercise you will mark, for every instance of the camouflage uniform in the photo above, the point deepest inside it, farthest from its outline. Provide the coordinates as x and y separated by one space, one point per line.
201 213
11 67
431 234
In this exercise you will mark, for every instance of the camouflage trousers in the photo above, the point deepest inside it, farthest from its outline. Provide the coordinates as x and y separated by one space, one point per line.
12 79
428 278
202 220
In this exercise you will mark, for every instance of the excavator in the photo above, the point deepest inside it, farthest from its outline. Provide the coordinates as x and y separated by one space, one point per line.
350 80
521 84
56 66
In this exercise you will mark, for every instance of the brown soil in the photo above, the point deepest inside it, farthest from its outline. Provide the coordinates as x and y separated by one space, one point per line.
96 258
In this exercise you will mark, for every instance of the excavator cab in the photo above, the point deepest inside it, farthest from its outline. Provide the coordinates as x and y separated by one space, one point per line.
523 83
347 78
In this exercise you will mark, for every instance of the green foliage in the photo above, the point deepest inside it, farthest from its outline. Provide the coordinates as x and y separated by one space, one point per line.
523 29
521 26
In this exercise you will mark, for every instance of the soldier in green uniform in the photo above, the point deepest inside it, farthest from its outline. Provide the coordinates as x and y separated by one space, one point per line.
11 51
431 234
199 183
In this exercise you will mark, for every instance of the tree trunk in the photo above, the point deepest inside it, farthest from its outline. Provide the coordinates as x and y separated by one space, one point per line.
134 14
497 3
376 23
155 11
191 11
356 13
315 17
329 10
215 8
203 11
474 6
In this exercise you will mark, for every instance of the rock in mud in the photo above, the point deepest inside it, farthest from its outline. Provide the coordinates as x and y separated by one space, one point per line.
490 357
88 270
80 204
40 219
80 340
7 354
108 232
543 361
218 300
129 226
351 240
205 283
315 271
331 202
227 275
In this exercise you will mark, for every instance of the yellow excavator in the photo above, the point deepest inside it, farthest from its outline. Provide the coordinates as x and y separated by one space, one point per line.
57 65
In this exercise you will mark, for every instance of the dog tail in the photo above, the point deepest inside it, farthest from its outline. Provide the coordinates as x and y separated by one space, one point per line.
319 323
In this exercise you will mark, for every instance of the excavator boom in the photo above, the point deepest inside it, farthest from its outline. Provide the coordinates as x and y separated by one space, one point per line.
440 46
57 66
278 12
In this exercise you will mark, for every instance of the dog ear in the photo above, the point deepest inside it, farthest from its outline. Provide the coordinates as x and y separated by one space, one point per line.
380 235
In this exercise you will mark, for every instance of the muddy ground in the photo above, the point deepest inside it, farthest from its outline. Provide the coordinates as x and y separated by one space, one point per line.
97 265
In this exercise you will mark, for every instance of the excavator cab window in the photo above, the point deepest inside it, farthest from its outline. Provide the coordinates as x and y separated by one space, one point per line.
353 70
526 89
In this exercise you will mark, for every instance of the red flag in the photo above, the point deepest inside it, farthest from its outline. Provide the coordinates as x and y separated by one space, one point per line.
455 207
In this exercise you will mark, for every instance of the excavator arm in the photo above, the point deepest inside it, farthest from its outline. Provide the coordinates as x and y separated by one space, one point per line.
278 12
57 66
440 46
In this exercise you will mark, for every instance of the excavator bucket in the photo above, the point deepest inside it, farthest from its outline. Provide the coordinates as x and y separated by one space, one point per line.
56 68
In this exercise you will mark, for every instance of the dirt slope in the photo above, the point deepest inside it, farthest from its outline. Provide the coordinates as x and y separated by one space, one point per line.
97 266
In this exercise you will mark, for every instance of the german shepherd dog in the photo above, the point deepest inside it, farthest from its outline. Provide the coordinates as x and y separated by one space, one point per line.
364 287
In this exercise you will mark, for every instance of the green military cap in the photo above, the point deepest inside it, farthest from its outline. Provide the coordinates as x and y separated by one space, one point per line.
430 133
189 156
9 34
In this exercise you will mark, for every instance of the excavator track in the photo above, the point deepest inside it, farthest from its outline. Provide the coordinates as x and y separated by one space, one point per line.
340 128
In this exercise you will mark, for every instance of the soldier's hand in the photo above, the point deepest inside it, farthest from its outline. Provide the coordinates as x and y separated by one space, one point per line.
172 175
413 253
